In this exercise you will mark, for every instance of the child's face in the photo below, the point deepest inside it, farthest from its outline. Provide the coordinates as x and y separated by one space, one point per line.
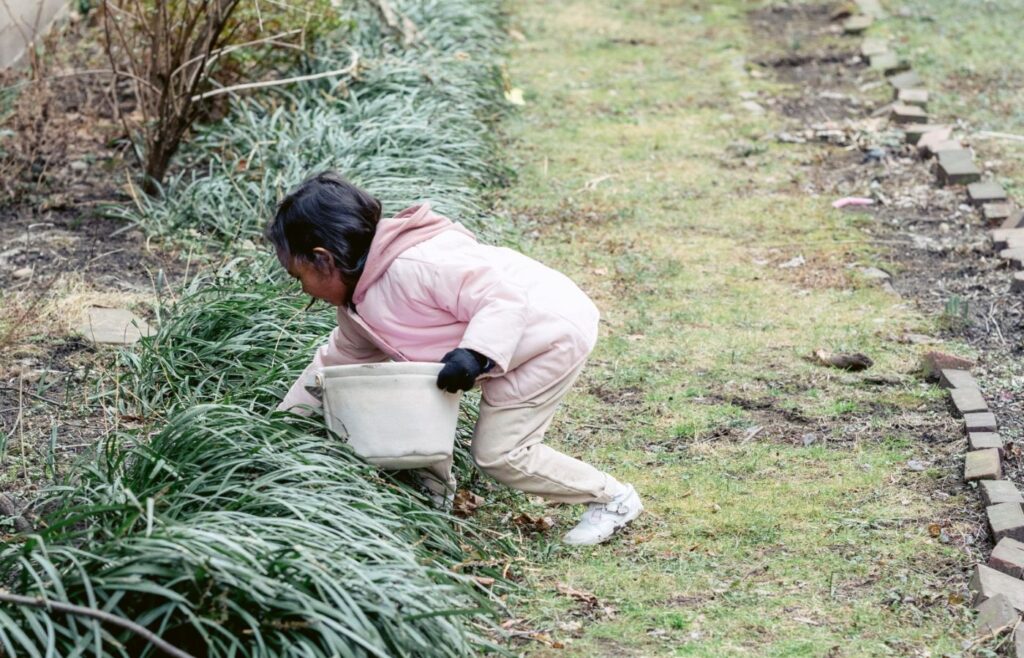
323 282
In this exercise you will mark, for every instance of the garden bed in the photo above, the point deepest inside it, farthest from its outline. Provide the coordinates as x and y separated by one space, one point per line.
295 544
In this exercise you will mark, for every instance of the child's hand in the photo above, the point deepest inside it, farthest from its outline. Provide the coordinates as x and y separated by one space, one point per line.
461 368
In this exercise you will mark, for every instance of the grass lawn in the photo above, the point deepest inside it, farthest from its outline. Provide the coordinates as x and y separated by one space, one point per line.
783 519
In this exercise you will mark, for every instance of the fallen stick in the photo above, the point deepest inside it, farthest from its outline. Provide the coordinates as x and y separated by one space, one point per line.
988 134
148 635
351 69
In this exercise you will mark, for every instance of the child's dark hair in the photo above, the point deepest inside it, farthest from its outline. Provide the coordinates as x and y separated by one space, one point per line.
326 211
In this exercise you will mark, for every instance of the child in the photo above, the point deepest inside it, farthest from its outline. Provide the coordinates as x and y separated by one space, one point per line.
419 287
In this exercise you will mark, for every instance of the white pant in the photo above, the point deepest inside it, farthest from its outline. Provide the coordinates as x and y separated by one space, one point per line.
507 445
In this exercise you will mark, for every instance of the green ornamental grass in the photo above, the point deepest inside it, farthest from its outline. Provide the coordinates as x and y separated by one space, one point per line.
231 532
225 527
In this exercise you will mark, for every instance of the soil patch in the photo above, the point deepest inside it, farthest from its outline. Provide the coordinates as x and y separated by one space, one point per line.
65 161
806 53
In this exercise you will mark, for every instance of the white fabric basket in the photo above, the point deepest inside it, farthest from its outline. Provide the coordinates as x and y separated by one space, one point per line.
392 414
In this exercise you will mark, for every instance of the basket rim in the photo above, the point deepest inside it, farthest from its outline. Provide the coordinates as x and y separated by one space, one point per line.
382 369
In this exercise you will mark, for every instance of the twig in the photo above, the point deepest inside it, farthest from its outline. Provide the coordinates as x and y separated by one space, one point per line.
31 395
79 73
108 41
229 49
21 430
999 332
350 69
989 134
59 606
103 255
16 23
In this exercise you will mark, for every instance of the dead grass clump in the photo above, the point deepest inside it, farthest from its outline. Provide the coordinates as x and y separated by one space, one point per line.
54 307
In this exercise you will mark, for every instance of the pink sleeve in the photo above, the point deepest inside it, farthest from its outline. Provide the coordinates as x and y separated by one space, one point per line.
493 307
343 347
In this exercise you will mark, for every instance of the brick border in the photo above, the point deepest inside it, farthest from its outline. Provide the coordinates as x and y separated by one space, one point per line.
997 585
954 161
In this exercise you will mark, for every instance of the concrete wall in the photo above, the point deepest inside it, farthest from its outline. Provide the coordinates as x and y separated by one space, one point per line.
22 20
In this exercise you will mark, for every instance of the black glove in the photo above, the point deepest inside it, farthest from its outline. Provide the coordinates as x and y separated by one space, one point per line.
461 368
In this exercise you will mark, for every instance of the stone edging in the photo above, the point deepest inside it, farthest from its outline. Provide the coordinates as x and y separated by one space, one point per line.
954 162
998 586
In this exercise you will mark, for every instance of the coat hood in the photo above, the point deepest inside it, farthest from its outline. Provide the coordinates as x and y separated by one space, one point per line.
394 235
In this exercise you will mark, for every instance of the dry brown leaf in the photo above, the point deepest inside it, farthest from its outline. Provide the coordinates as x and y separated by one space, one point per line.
466 503
535 523
582 596
851 362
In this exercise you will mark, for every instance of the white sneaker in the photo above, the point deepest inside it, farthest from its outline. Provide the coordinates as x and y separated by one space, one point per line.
442 502
601 520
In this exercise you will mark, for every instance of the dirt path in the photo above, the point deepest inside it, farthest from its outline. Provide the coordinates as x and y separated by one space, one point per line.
793 509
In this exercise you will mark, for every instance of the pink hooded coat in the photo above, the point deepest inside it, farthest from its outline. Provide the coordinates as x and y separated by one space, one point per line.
428 287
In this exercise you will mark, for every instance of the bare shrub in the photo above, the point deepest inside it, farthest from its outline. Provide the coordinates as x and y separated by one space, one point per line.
177 53
166 50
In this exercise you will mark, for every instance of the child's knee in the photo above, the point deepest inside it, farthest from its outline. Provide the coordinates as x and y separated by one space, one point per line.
487 457
504 465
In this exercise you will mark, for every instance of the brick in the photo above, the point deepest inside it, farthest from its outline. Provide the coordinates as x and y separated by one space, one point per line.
934 362
983 465
957 378
994 492
1006 520
985 192
857 24
983 440
967 400
932 134
997 212
903 113
956 156
987 583
888 63
872 47
934 149
1015 256
914 132
957 172
981 422
1008 557
996 615
1015 220
917 97
906 80
1001 237
1017 283
114 326
928 148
